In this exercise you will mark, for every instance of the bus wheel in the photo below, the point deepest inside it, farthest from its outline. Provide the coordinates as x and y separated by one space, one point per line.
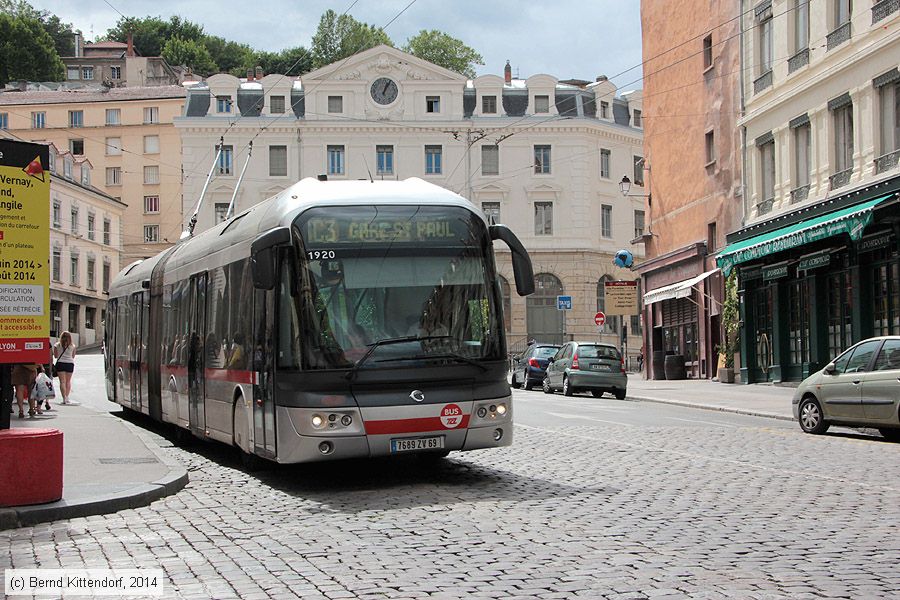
183 436
251 462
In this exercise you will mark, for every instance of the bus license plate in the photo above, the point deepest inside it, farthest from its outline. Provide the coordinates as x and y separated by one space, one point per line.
412 444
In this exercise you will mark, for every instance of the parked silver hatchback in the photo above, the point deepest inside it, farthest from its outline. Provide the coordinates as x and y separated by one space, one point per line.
861 387
587 366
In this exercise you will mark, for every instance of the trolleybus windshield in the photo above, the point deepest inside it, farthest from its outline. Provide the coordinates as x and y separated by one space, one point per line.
389 284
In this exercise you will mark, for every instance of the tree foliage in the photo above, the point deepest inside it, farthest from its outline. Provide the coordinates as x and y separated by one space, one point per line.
27 51
151 33
179 51
731 319
229 57
293 61
444 50
338 37
62 34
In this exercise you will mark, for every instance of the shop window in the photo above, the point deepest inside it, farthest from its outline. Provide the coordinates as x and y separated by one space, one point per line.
840 313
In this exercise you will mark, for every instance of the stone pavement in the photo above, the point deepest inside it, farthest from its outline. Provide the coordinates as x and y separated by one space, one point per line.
108 465
761 400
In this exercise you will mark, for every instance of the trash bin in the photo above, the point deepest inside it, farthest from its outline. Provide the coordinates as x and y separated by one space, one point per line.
35 475
658 365
674 366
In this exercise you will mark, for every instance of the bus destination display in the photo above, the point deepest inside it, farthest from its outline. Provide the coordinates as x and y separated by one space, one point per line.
329 230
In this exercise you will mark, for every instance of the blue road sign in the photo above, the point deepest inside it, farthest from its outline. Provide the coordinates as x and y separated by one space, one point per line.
564 303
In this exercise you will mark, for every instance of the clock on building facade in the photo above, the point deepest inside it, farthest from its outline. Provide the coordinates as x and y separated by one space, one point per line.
384 90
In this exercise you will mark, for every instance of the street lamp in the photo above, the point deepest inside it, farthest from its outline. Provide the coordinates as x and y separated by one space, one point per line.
625 185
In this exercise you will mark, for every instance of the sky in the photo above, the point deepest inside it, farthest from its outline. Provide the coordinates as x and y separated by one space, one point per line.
569 39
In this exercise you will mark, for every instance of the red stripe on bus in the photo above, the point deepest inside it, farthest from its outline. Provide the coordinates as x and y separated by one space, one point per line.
231 375
411 425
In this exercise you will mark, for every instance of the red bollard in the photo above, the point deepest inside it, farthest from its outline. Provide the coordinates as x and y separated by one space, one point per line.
31 466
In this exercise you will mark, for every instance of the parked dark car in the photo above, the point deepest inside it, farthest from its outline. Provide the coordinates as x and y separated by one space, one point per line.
530 368
587 366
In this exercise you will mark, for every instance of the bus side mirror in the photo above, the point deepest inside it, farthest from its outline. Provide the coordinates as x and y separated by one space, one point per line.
522 269
262 256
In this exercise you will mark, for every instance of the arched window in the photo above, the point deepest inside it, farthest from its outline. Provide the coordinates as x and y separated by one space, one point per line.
507 304
612 322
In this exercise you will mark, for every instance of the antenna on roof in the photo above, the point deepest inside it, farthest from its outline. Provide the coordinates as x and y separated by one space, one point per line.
238 186
189 232
366 162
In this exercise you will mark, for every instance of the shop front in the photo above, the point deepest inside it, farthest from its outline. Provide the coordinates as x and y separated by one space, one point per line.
815 281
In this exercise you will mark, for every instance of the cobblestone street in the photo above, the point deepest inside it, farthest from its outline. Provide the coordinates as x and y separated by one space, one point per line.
612 512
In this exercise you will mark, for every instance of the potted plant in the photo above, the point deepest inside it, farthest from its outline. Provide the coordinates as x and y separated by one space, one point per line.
732 326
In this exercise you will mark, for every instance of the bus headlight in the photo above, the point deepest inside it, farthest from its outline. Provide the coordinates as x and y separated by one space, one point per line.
501 409
346 420
317 421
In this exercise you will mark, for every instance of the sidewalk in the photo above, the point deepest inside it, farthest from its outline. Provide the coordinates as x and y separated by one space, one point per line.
108 465
761 400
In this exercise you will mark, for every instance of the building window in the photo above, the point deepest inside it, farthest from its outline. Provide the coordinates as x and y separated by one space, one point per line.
76 118
113 146
606 220
4 120
636 118
223 104
278 161
67 167
225 160
707 52
842 10
335 160
76 147
91 226
151 233
492 211
802 166
115 72
73 273
490 159
541 104
434 160
73 73
89 282
384 160
113 175
604 163
57 214
711 237
113 116
638 170
151 204
85 175
542 159
767 176
151 144
604 109
87 72
765 45
335 104
432 104
74 214
489 105
90 315
221 209
843 138
889 98
276 105
543 218
57 265
710 147
151 115
638 223
801 25
106 277
38 120
107 226
151 174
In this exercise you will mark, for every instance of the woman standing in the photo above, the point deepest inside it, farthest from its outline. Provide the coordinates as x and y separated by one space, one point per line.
64 352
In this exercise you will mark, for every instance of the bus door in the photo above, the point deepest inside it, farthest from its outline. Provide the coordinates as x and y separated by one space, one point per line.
264 367
109 350
134 351
196 355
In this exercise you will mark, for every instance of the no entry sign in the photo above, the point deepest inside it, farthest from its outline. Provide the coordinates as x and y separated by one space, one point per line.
599 319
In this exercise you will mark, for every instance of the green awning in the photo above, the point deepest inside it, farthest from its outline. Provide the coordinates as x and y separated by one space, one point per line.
851 220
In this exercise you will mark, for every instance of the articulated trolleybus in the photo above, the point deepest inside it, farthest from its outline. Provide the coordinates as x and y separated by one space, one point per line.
333 320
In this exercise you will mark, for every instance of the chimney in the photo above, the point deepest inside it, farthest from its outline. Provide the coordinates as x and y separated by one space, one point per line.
601 78
79 44
507 73
259 73
249 74
130 51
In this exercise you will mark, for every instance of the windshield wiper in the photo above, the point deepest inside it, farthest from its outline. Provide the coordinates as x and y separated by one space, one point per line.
445 356
386 342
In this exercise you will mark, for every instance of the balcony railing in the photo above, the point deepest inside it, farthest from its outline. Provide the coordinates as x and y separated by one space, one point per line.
800 59
762 82
838 36
840 178
881 10
765 206
888 161
800 194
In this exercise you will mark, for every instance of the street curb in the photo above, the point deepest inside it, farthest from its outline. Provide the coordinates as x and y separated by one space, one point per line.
135 497
728 409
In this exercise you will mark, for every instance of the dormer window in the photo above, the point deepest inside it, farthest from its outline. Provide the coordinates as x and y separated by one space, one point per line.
223 104
432 104
276 105
85 175
636 118
67 168
541 104
489 105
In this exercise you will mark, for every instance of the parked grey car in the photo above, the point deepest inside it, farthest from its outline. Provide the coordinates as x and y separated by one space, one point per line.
860 387
587 366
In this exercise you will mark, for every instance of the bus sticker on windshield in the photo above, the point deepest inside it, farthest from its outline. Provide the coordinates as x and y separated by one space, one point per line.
451 416
320 254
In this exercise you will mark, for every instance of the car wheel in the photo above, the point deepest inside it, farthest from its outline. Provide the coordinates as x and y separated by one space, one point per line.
567 389
620 394
515 382
811 418
597 393
892 435
546 386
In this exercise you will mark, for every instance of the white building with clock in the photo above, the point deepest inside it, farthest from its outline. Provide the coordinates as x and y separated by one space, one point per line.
543 156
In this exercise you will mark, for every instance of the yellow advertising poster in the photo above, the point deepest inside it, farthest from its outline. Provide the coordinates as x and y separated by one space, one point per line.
621 298
24 253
